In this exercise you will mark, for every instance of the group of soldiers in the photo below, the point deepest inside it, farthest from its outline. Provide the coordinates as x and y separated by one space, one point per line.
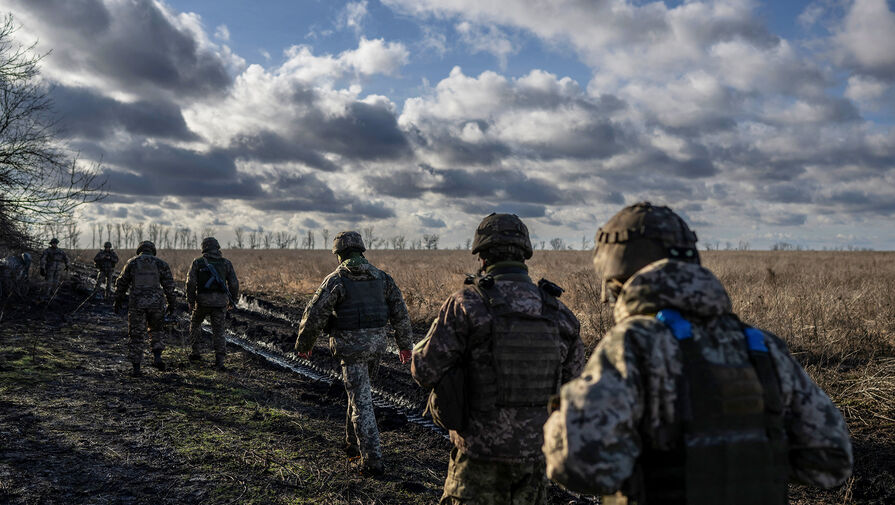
680 403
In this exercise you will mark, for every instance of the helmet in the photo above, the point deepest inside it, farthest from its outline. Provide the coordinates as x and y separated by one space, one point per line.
210 244
54 241
107 244
346 240
502 230
147 247
637 236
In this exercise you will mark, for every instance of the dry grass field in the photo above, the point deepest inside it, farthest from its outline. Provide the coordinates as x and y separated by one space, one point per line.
836 310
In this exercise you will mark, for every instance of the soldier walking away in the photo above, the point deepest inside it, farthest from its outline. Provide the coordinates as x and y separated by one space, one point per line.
211 290
151 286
681 402
513 343
14 276
105 262
52 262
354 304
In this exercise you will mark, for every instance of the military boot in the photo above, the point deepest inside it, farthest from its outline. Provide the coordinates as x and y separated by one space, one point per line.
372 467
219 362
136 371
157 360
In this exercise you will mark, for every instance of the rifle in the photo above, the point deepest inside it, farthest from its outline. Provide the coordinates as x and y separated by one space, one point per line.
216 277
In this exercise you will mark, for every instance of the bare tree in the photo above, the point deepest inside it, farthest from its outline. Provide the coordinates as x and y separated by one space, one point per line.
324 234
431 241
207 231
253 239
284 239
368 236
268 239
40 181
399 242
240 237
557 244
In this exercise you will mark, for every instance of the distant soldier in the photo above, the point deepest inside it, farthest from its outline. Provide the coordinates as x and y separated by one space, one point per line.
514 343
354 304
14 275
105 262
211 290
52 262
681 402
151 285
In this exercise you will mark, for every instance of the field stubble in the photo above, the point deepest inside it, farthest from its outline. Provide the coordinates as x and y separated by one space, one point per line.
836 311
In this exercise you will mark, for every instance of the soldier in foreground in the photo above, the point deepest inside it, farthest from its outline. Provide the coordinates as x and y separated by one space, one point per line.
52 262
14 275
151 285
682 403
514 343
211 290
105 262
354 304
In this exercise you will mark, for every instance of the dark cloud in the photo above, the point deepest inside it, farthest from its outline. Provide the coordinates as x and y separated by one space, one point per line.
784 218
130 43
270 147
85 114
431 222
523 210
307 193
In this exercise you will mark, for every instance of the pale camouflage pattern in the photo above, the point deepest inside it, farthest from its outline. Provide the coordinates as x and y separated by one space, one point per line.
53 261
212 299
625 397
480 482
353 345
218 317
504 434
149 299
105 262
14 276
361 430
138 321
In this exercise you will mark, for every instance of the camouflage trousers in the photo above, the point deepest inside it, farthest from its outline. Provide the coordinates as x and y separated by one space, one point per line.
104 276
478 482
218 316
361 430
138 320
54 278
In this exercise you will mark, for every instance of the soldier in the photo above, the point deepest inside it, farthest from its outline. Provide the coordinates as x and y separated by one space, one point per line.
52 261
14 276
354 304
681 402
516 343
211 290
151 284
105 262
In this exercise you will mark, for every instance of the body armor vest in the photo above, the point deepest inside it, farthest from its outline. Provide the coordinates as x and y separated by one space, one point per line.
54 256
732 446
205 282
364 305
525 359
146 274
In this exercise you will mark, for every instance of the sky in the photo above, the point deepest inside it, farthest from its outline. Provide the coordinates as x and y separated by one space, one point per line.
759 122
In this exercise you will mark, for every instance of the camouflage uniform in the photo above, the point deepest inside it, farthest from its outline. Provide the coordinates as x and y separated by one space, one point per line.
146 302
208 300
14 275
359 351
626 401
105 262
52 262
497 457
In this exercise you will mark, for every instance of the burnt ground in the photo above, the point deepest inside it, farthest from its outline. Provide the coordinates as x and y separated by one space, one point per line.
75 427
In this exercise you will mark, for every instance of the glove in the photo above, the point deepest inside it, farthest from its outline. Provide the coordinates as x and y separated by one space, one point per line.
404 355
305 355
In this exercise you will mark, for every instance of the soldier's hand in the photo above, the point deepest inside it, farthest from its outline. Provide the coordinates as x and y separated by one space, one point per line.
230 307
405 355
305 355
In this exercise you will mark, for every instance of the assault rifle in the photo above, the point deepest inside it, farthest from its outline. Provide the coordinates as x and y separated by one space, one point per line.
216 277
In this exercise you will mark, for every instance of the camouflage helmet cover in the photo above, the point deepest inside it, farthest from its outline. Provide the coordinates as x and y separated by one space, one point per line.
639 235
54 240
502 230
107 244
210 244
146 246
348 240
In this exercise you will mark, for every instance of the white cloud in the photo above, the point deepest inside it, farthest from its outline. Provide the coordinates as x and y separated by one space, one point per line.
353 15
487 39
867 38
222 33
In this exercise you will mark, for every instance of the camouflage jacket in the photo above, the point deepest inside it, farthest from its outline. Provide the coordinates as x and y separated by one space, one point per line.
504 434
105 260
216 298
354 345
625 398
152 298
53 258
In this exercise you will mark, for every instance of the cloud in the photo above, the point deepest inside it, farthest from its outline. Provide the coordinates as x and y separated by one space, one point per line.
487 39
222 33
867 37
352 16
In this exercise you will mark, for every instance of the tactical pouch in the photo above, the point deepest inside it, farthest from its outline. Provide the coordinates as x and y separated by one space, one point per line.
447 403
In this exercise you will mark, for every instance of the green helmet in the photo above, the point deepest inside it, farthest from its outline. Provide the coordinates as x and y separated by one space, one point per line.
502 230
107 244
210 244
346 240
54 241
637 236
147 247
